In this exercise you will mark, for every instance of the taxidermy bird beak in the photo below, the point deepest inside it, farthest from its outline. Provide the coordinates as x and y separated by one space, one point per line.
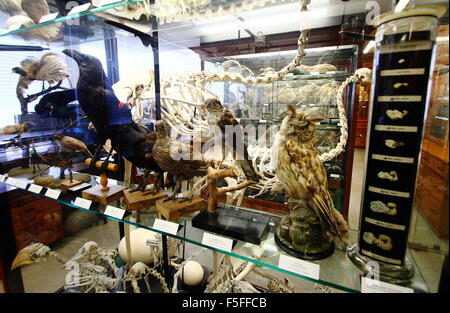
23 257
77 56
19 71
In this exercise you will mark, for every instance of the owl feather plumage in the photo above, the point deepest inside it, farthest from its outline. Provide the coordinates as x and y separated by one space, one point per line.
303 175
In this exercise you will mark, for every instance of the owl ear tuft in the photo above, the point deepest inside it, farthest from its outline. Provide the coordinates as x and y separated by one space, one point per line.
290 110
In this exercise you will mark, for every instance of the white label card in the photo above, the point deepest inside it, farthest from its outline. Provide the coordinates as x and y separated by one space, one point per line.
48 17
375 286
80 8
106 2
11 181
78 187
83 203
114 212
300 267
166 226
35 188
53 193
21 184
2 178
217 242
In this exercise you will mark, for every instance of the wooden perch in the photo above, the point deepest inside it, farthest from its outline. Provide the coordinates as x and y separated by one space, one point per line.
214 192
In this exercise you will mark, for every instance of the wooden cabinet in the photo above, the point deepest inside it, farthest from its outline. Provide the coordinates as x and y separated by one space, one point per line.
362 113
35 219
432 193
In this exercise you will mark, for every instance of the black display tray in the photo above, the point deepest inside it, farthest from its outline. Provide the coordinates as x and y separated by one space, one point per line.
230 222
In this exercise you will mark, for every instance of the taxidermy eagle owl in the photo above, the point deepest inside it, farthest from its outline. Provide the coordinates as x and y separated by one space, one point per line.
303 175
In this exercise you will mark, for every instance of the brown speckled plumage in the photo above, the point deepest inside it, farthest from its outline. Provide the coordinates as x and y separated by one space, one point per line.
303 174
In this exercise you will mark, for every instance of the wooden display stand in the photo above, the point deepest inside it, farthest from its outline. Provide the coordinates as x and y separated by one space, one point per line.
103 193
138 200
175 209
69 183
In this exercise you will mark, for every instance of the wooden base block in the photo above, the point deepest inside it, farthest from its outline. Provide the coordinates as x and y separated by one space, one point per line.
95 194
138 200
66 184
175 209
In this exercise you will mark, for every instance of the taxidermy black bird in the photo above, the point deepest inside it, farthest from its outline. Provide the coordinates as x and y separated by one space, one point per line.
55 105
111 118
29 13
186 167
219 116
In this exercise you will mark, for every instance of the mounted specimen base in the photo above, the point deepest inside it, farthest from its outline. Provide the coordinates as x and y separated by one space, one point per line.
300 233
28 172
67 184
96 194
394 274
138 200
175 209
234 223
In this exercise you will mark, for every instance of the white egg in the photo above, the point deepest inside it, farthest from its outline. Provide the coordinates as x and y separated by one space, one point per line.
192 273
140 251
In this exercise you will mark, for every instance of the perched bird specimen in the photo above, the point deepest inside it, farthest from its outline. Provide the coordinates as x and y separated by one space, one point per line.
111 118
71 144
303 175
29 13
186 167
49 68
219 116
18 129
55 105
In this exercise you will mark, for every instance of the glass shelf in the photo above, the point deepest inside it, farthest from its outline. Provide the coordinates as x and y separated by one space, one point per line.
91 11
336 271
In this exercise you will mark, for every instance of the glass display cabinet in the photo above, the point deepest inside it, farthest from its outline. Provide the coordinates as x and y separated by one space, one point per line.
149 55
309 88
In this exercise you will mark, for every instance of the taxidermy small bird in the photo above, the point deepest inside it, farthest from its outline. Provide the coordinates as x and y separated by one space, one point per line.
219 116
29 13
49 68
188 167
18 129
71 144
303 174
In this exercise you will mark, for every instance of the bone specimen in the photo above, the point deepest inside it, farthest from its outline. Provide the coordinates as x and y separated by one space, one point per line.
379 207
391 143
383 241
392 175
29 13
398 85
396 114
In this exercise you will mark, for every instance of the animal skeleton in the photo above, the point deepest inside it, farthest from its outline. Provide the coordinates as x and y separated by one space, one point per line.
182 98
82 277
140 271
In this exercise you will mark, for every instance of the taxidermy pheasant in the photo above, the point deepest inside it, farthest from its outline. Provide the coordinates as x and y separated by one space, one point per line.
303 174
49 68
219 116
29 13
186 164
111 118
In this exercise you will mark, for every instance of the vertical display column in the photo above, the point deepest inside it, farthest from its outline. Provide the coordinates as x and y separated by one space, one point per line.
402 64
